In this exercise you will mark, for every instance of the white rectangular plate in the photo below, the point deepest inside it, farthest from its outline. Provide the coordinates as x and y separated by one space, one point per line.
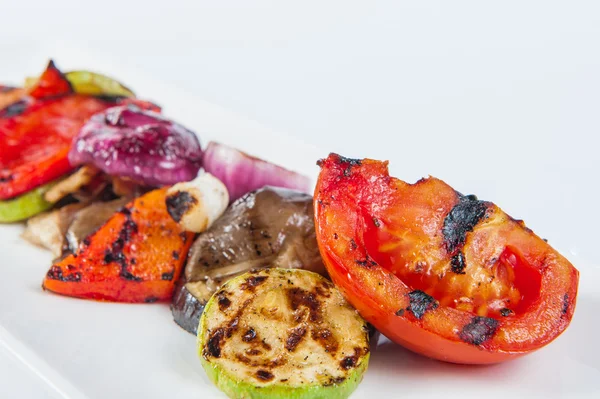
86 349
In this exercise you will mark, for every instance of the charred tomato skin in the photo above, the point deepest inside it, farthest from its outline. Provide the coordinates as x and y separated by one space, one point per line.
352 194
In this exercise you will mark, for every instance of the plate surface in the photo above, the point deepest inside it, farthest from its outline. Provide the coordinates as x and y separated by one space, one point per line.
84 349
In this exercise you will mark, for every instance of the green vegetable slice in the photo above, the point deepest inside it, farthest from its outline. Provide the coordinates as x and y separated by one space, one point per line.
95 84
91 83
25 206
282 333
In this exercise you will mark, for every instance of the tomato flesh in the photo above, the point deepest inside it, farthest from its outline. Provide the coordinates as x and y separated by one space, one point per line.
446 275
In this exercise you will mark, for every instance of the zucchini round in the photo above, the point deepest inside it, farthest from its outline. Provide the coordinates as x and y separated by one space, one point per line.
282 333
26 205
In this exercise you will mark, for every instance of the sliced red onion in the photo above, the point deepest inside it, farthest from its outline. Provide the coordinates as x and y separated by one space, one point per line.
242 173
142 145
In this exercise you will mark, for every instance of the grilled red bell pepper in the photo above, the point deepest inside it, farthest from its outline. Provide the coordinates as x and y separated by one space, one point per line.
36 130
136 256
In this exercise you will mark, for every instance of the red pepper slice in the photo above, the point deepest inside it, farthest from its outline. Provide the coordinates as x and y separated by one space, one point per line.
445 275
36 131
137 256
52 83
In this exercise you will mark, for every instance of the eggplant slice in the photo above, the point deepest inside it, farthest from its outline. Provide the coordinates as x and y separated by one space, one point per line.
270 227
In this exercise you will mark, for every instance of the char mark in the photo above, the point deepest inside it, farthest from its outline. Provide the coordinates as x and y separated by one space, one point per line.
179 203
420 302
461 219
295 337
215 341
264 375
14 109
479 330
249 335
457 263
252 282
151 299
565 306
326 339
168 276
505 312
56 273
223 301
351 361
297 297
6 178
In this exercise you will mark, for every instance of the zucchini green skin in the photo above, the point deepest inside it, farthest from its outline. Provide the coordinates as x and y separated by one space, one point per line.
237 389
236 386
25 206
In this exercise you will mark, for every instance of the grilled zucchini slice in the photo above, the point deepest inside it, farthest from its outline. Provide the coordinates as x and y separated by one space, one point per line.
282 333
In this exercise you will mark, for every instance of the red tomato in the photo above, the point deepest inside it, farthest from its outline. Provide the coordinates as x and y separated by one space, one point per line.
445 275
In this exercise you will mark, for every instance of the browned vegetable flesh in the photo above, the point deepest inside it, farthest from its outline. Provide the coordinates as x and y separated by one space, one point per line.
61 230
87 220
270 227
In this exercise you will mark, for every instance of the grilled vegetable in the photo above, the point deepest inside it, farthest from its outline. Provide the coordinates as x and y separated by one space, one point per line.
446 275
89 219
71 184
90 83
280 333
128 141
271 227
36 132
95 84
25 206
195 205
48 229
242 173
10 95
136 256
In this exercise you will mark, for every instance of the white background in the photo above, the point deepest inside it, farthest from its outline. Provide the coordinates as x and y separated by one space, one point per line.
461 90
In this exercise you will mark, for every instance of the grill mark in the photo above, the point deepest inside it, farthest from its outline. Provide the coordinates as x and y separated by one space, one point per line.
351 361
14 109
264 375
223 301
6 178
457 263
295 337
217 337
565 306
56 273
505 312
297 297
325 338
479 330
115 253
461 219
165 276
252 282
179 203
264 364
213 345
420 302
249 335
